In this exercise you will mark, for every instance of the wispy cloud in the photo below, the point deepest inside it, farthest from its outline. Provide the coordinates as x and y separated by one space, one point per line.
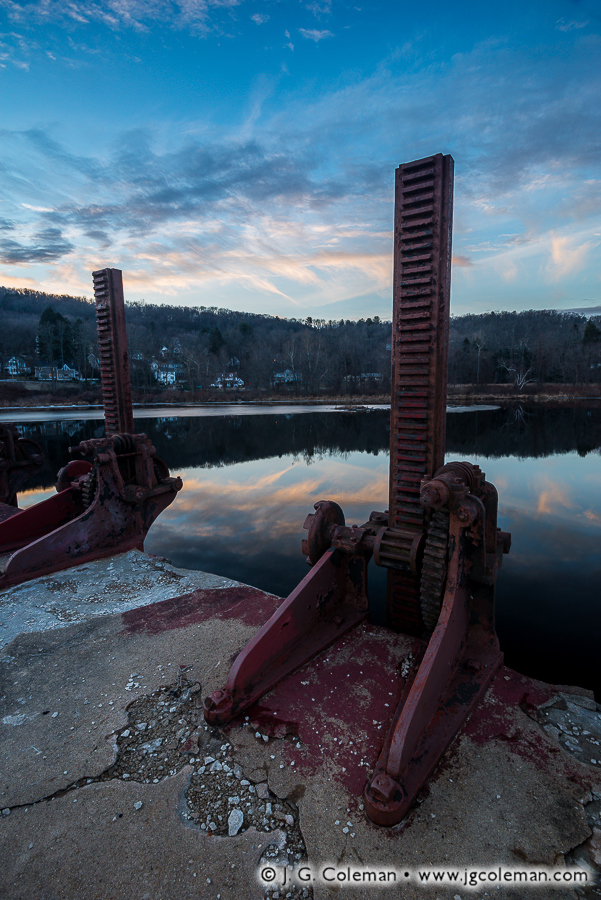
562 25
117 14
260 18
552 498
320 9
312 34
567 256
462 262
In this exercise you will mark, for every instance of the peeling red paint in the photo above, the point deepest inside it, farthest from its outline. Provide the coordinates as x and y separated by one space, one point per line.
494 719
250 605
332 703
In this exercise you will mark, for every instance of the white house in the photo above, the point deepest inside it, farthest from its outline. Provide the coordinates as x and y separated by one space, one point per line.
17 366
168 372
57 373
228 381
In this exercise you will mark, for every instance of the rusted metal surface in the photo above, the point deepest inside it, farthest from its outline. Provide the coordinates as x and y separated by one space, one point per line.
439 539
115 493
420 337
462 654
20 458
112 351
329 601
109 496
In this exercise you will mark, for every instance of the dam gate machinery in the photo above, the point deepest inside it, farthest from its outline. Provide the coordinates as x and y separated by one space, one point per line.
438 540
108 495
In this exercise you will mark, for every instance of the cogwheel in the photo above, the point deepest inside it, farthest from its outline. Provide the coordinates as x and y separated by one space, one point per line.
434 568
88 491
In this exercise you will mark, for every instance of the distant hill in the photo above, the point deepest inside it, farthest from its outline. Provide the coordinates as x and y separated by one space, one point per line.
588 311
202 346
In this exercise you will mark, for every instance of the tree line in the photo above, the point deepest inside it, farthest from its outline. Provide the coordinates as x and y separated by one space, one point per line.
303 356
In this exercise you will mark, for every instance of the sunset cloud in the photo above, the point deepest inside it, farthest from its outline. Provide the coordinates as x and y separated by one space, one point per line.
567 257
462 262
274 185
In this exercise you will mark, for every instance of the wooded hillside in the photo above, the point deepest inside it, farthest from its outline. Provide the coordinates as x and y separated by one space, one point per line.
203 346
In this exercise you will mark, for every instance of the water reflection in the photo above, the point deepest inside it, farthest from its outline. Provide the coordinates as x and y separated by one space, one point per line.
249 483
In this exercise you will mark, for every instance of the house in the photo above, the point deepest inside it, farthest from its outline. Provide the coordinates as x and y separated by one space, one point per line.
363 378
228 381
168 372
287 377
55 372
17 366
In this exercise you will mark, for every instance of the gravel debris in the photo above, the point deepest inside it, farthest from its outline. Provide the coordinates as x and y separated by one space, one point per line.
165 731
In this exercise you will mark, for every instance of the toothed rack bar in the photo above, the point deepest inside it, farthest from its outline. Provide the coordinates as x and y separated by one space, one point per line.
112 351
422 263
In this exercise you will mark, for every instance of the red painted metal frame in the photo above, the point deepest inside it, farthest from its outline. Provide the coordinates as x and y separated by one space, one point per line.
459 658
329 601
61 531
106 503
420 337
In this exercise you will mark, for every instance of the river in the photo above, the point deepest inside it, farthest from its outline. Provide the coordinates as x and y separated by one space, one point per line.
251 474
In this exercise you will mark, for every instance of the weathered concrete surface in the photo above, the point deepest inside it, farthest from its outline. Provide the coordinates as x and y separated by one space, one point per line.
98 588
95 844
65 692
129 730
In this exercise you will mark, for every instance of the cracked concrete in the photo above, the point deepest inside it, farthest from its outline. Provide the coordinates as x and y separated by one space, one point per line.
109 772
99 588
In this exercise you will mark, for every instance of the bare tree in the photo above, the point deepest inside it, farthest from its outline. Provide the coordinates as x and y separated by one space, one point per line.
520 376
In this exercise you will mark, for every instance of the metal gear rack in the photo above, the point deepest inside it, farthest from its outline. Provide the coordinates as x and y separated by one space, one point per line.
110 495
439 539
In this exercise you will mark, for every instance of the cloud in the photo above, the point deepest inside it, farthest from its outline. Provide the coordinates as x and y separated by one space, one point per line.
313 35
48 245
320 9
553 497
562 25
260 18
117 14
12 44
592 516
138 190
9 279
262 203
567 257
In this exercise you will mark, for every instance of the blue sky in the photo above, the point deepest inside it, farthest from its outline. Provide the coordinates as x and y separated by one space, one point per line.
241 153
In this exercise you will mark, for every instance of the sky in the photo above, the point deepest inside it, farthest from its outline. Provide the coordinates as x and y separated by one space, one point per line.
241 153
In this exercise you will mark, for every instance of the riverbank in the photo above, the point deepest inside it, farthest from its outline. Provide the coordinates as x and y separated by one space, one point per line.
36 395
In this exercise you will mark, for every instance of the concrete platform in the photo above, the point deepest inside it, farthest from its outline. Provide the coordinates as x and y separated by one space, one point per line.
98 588
112 786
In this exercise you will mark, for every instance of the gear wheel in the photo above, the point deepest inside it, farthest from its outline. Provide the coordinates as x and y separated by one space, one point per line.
434 568
88 491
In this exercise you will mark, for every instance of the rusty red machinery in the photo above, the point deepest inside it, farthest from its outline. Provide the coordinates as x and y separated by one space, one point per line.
108 497
439 538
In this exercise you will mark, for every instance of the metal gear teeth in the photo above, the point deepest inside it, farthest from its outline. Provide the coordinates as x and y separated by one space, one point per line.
434 568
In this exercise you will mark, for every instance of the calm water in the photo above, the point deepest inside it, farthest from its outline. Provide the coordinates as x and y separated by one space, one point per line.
250 480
